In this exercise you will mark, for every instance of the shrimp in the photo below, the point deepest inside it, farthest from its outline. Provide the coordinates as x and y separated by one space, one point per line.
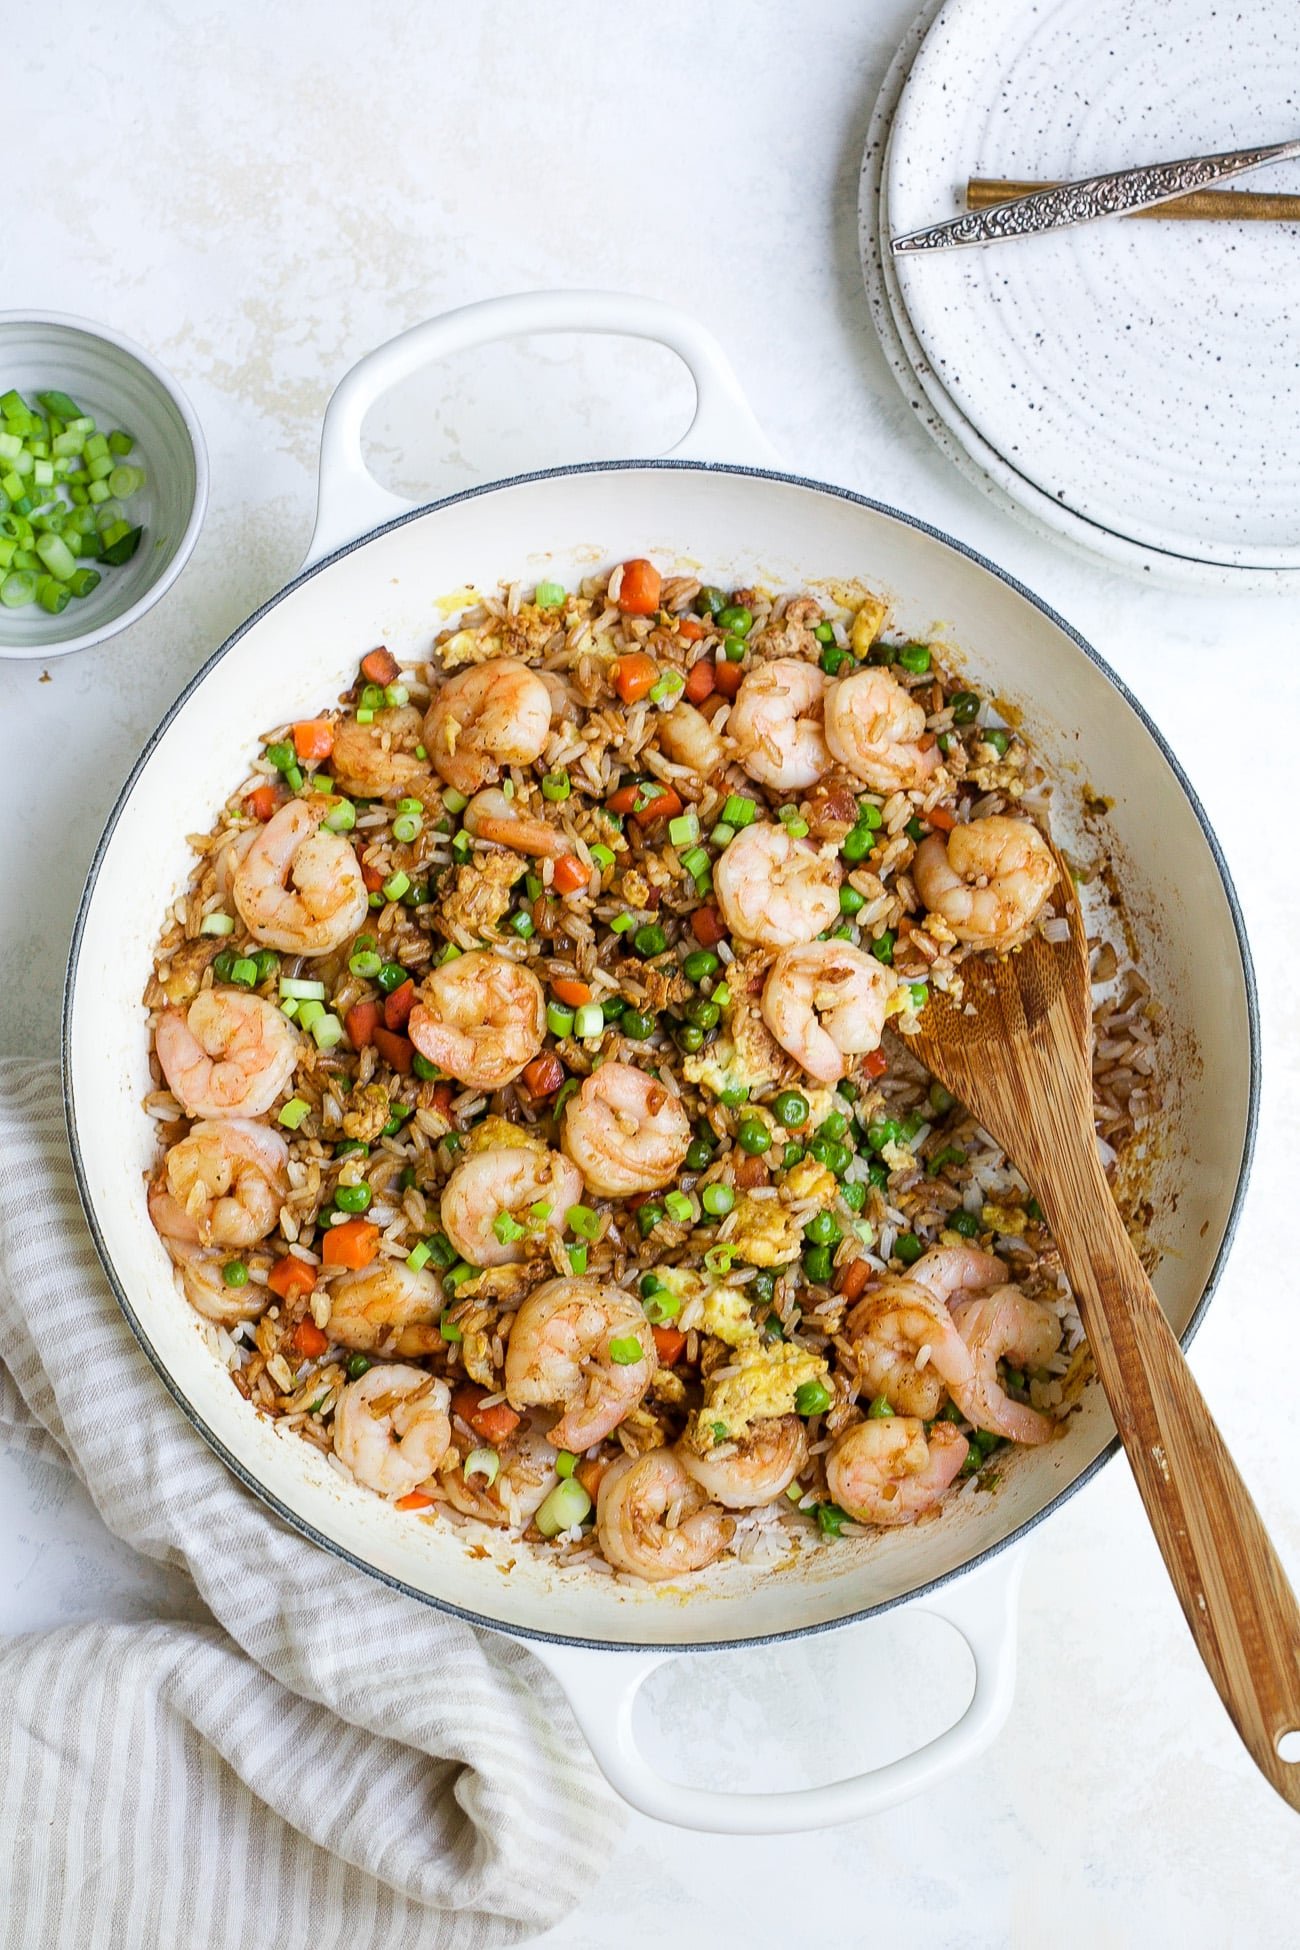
391 1427
754 1470
489 716
491 816
377 761
560 1351
386 1308
1004 1321
625 1131
203 1278
298 887
888 1471
874 728
907 1347
688 738
654 1521
951 1272
826 1003
480 1018
776 722
776 890
507 1182
526 1474
229 1054
989 879
223 1185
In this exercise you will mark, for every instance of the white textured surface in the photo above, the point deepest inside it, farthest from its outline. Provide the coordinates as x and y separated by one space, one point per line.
262 194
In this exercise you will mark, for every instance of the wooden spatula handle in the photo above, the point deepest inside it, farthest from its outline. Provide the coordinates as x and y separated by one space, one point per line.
1231 1585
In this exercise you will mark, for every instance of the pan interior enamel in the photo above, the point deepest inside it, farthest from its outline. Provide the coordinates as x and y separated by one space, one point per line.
741 527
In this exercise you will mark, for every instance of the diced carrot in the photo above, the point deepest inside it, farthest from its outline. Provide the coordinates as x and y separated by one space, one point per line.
875 1063
569 874
262 801
397 1051
544 1074
414 1500
669 1344
290 1276
361 1021
493 1424
638 591
655 801
313 738
851 1280
590 1472
707 927
568 989
309 1340
632 676
690 627
728 677
380 667
941 819
352 1244
444 1095
398 1005
373 877
700 682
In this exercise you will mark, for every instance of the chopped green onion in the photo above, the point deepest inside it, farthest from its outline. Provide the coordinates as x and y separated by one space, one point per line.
216 924
556 786
565 1463
588 1020
506 1228
396 695
696 862
648 1216
602 855
621 923
292 1114
679 1207
661 1306
559 1020
831 1519
566 1506
365 963
407 827
484 1463
582 1220
309 1013
300 990
577 1258
395 886
685 829
521 923
717 1260
454 801
549 595
625 1350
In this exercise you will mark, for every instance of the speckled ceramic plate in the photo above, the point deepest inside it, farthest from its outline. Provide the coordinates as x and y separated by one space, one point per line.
943 419
1134 376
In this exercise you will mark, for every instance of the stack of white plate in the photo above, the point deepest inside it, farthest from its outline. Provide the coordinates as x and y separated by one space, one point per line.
1131 386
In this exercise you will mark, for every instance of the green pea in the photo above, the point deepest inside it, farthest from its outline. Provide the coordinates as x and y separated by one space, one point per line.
648 1217
825 633
710 601
266 961
791 1107
358 1364
426 1071
735 617
833 1125
941 1100
883 947
854 1196
908 1248
915 831
870 815
222 965
881 652
966 1223
851 901
698 1155
700 964
835 1157
650 939
763 1285
350 1148
717 1200
793 1155
688 1038
235 1273
965 706
754 1137
833 660
705 1015
812 1398
635 1026
817 1264
915 657
878 1175
823 1229
352 1198
391 976
999 740
885 1131
857 844
733 648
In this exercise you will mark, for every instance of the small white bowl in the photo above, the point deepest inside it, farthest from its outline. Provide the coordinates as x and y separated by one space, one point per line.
118 383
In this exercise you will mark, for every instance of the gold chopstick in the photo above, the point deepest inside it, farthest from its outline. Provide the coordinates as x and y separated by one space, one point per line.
1202 206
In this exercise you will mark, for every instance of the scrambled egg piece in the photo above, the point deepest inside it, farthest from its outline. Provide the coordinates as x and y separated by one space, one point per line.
467 647
810 1180
867 624
718 1067
762 1381
367 1113
727 1316
1004 1218
898 1157
495 1132
765 1233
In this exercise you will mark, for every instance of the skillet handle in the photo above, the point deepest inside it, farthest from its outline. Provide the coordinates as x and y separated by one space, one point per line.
601 1687
350 501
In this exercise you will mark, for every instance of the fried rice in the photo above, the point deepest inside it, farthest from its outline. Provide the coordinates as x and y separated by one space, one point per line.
794 1200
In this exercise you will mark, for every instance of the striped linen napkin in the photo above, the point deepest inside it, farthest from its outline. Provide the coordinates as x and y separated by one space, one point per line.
325 1762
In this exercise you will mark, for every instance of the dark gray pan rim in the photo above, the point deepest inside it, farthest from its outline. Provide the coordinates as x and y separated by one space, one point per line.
720 470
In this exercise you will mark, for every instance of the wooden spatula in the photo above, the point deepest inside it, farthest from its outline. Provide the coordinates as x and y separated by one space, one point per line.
1016 1050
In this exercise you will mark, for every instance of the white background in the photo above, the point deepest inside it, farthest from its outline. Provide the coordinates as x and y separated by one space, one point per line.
262 193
